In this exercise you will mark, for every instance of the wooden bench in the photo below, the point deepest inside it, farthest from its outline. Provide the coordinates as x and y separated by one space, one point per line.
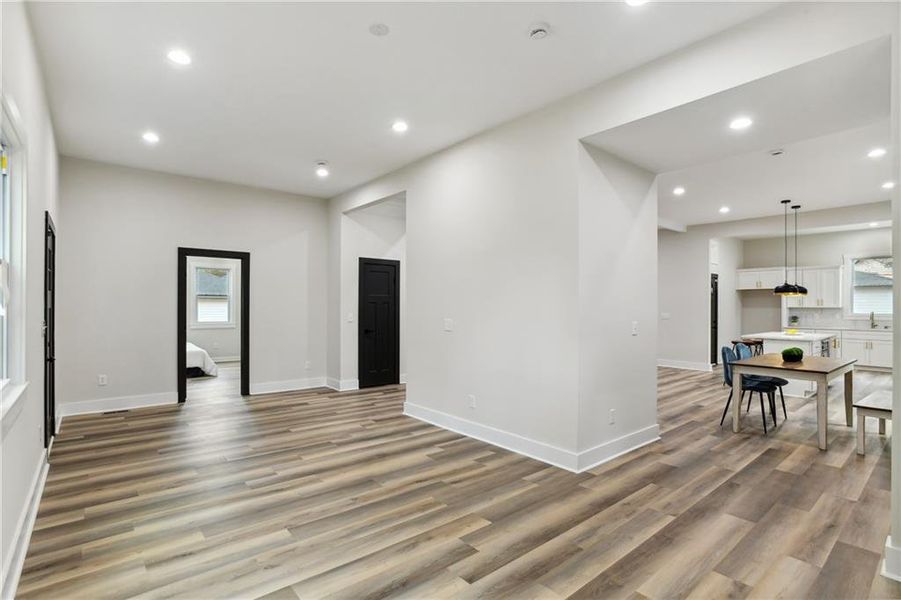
877 405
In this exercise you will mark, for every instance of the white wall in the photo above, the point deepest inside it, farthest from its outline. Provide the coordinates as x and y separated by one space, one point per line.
22 460
824 249
493 236
127 225
221 342
683 299
617 290
366 232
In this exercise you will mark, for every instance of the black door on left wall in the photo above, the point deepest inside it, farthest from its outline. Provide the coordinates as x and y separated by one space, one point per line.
49 330
378 356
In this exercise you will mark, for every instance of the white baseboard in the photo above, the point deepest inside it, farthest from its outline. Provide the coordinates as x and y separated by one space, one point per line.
288 385
891 564
588 459
12 567
684 364
559 457
343 385
553 455
86 407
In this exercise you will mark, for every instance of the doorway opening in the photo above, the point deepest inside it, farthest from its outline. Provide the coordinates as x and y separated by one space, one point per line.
379 324
213 322
49 330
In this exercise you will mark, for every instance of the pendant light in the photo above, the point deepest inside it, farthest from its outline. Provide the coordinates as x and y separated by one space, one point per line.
786 288
802 291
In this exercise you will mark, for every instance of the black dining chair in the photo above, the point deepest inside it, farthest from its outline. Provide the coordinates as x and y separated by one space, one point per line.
744 351
748 385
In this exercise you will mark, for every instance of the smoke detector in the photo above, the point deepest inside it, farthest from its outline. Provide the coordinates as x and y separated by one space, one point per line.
379 30
539 31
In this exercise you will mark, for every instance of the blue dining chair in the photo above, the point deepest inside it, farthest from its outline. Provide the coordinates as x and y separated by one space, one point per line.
748 385
744 351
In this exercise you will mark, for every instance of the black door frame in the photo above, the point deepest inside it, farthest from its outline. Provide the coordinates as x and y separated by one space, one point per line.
49 330
244 257
378 261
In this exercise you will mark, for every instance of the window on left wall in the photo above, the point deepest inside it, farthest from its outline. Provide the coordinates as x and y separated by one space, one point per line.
6 232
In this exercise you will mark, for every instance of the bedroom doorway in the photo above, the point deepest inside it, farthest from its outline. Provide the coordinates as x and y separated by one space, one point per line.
213 323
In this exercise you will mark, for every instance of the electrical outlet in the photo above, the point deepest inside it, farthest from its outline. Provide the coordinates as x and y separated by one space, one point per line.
612 416
448 324
101 380
472 401
308 365
634 327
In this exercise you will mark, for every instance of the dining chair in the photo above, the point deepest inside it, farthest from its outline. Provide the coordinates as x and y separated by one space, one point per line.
748 385
744 351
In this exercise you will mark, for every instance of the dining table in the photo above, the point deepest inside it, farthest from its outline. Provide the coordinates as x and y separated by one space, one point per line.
819 369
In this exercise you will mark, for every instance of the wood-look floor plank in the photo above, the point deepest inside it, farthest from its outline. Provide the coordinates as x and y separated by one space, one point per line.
317 494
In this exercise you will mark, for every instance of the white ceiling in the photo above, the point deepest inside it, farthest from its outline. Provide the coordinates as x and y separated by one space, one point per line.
820 173
826 115
275 87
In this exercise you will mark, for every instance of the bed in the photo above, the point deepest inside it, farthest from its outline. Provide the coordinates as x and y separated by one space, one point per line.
198 358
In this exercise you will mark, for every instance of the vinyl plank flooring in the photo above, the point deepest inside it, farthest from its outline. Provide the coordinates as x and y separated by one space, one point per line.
321 494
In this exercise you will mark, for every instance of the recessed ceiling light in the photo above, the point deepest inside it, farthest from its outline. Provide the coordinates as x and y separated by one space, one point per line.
150 137
876 153
678 191
724 209
179 57
322 169
874 224
888 185
379 30
740 123
636 2
400 126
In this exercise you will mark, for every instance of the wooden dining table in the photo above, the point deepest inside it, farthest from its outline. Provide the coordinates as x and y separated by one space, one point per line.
818 369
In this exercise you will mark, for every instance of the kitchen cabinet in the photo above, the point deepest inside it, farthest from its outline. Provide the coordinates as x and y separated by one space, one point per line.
869 348
824 288
835 346
758 279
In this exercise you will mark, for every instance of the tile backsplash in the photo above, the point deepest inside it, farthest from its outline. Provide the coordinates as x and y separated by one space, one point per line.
832 318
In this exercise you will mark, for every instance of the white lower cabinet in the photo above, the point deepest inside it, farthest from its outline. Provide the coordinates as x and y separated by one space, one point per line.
869 348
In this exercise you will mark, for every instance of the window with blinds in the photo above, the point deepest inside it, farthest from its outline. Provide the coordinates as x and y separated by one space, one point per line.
212 292
871 285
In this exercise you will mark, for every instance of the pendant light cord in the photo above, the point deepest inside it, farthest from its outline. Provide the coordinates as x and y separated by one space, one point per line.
795 209
785 237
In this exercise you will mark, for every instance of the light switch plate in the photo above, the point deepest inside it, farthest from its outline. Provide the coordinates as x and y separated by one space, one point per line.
634 327
448 324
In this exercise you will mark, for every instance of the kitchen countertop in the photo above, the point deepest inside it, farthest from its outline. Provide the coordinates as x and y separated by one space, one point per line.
854 329
801 336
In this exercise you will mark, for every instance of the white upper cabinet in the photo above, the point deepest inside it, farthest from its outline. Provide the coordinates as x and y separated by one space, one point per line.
824 288
758 279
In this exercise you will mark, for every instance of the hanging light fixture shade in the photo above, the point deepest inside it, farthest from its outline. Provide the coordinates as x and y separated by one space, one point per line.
802 291
786 288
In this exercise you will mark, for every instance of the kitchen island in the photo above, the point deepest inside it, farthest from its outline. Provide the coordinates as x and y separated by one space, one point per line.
813 344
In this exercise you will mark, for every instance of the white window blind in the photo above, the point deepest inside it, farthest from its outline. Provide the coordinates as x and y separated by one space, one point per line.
212 309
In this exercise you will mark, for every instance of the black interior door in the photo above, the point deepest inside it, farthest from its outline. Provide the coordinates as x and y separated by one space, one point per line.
379 322
714 317
49 330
